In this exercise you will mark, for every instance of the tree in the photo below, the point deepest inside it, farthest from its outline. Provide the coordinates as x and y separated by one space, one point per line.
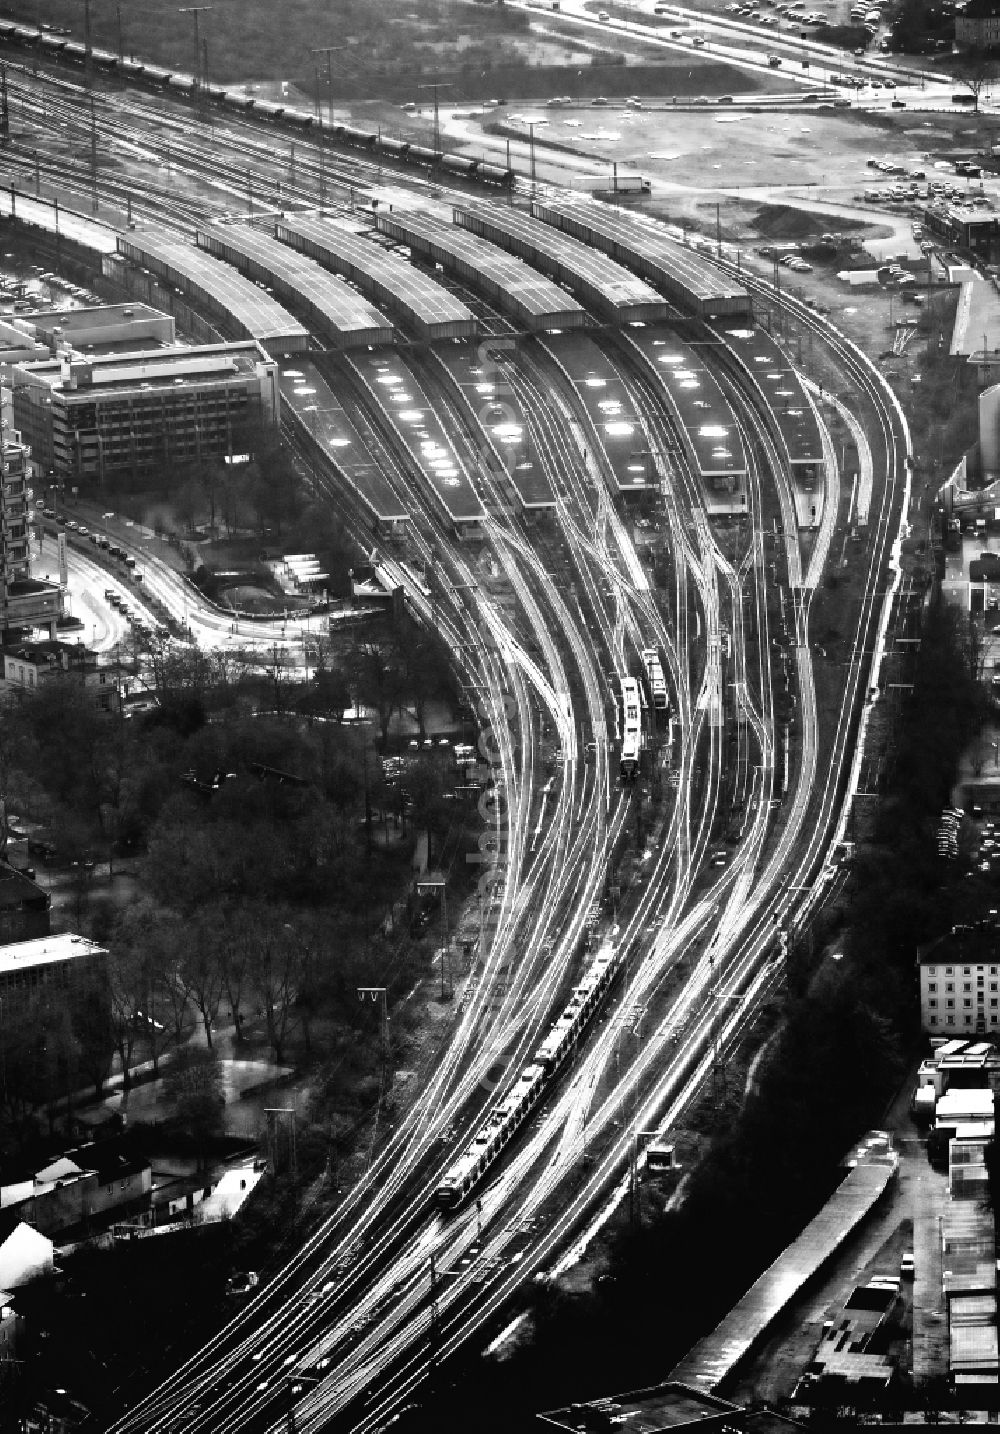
975 72
194 1084
202 969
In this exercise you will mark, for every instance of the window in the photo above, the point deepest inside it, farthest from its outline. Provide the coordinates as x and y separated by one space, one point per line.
950 1001
932 985
967 1001
932 970
949 985
951 1020
933 1001
966 970
966 985
949 970
932 1021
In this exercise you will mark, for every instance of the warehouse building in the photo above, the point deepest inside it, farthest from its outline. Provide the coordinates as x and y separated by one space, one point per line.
134 414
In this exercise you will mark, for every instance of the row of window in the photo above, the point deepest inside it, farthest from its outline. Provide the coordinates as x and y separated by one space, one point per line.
967 1001
967 1020
966 985
966 970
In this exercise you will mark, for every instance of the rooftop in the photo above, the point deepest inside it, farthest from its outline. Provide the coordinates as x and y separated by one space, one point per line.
16 889
146 368
979 943
255 311
395 281
345 312
659 1408
98 317
46 951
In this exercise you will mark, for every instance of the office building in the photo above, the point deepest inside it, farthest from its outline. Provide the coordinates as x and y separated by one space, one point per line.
129 415
25 603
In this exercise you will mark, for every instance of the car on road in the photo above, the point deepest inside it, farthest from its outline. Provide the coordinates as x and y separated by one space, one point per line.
907 1265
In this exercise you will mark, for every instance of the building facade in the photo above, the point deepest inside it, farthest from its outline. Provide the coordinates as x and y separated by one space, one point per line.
136 414
960 983
977 27
60 969
24 602
29 666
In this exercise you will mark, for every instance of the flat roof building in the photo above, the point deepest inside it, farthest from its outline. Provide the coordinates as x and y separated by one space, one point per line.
104 327
27 667
139 413
57 966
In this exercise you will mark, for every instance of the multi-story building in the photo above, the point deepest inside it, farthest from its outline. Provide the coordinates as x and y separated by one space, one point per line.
25 602
977 26
960 982
59 969
129 415
29 666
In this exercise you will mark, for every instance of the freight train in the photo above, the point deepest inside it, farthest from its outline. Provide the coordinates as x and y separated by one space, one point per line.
142 72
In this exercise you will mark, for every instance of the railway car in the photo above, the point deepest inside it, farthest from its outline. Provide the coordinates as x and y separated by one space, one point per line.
495 174
215 94
236 101
360 138
51 44
654 674
8 31
509 1114
104 59
183 84
267 109
132 68
631 729
420 154
24 35
302 119
458 164
156 75
394 148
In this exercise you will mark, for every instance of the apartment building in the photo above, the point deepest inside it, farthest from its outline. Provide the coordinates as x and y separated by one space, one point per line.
960 982
25 602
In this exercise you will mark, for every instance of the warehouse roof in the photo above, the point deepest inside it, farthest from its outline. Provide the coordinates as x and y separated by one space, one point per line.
256 312
147 368
346 312
702 409
394 281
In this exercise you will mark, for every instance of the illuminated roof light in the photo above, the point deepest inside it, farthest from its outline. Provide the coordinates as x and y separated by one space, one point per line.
619 429
713 430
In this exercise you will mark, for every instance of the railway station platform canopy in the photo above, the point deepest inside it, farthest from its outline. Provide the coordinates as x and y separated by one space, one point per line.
307 394
497 408
777 380
649 250
214 285
598 280
617 428
532 300
871 1166
431 309
337 310
394 387
704 417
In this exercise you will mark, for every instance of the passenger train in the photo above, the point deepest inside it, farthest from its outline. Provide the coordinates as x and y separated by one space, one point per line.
654 674
506 1117
631 728
58 47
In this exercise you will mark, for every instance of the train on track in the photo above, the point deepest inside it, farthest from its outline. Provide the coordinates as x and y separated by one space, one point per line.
141 72
654 676
630 699
509 1114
